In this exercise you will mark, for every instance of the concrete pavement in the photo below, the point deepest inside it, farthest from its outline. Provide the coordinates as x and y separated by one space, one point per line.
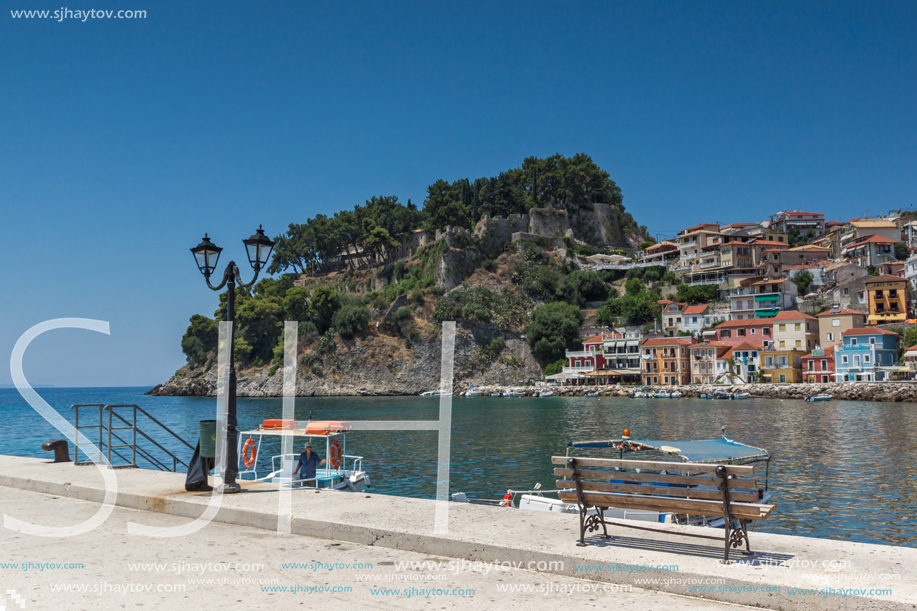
784 573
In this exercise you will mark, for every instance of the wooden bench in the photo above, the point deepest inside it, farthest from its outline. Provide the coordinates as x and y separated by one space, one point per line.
714 491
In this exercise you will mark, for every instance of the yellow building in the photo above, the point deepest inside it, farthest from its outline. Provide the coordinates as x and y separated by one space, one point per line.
887 299
795 331
782 365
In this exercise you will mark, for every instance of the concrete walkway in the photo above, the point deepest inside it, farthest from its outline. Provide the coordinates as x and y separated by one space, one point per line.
828 571
229 567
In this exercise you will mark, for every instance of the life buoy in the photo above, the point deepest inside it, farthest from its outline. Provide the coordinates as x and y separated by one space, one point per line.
335 457
249 452
507 500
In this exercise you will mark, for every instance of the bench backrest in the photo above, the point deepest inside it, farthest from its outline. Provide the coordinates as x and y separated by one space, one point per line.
690 488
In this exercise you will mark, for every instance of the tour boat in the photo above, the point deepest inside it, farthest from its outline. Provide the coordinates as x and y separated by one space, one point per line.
341 471
819 398
718 451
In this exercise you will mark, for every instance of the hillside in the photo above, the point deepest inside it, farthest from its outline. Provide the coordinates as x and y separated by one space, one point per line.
369 319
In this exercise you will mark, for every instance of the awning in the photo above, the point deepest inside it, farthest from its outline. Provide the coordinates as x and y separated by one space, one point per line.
766 313
632 342
768 297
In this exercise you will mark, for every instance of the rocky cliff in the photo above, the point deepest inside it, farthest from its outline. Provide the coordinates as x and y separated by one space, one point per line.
379 364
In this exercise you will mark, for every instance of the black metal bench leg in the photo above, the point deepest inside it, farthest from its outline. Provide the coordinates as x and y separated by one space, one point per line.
582 527
727 526
601 511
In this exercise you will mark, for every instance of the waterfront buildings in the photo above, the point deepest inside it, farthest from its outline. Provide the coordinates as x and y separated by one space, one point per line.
773 295
666 360
707 361
867 354
818 366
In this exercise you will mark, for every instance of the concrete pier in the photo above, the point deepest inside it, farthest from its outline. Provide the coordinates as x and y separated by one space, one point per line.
784 572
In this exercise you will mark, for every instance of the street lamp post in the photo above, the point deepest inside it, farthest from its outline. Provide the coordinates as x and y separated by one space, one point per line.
206 254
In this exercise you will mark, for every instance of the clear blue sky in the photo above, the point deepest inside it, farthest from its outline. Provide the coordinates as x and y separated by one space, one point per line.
123 141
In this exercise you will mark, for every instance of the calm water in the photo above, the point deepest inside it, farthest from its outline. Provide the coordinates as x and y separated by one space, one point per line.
841 470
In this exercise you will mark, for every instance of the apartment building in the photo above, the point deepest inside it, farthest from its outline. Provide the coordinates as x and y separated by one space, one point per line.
772 296
834 322
887 299
818 366
705 358
667 360
755 330
870 250
863 354
692 242
782 365
795 331
803 222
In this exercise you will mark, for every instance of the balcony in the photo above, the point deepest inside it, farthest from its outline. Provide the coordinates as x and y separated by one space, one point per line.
586 369
580 353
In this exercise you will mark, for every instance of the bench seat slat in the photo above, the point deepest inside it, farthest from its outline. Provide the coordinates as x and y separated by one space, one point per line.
688 480
745 511
716 495
611 463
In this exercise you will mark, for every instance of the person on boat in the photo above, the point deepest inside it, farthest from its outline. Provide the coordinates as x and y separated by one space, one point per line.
308 461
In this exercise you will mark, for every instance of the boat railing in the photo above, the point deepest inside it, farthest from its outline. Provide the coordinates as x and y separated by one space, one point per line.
278 462
112 447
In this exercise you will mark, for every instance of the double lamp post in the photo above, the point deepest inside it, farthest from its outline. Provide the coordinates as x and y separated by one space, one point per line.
206 254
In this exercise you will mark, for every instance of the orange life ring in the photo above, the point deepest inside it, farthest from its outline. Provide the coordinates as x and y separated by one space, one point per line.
249 452
335 457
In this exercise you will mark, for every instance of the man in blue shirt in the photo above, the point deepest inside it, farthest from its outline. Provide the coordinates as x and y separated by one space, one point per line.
308 460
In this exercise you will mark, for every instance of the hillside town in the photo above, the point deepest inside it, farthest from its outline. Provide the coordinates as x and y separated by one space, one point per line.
798 299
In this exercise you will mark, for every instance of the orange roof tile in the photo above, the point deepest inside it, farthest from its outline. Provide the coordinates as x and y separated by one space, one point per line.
748 322
696 309
793 315
885 278
841 312
669 341
868 331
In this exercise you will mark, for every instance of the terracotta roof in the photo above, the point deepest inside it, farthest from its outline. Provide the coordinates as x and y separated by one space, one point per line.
799 267
663 302
770 243
791 315
767 282
741 225
712 344
669 341
696 227
745 345
601 337
800 213
808 247
834 224
748 322
841 312
696 309
911 348
868 331
871 239
885 278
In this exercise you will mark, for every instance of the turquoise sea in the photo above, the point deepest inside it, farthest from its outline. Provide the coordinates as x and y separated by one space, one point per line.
841 469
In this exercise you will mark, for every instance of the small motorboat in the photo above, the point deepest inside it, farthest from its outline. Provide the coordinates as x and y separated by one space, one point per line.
513 393
662 395
675 395
495 394
721 395
638 394
434 393
819 398
546 393
471 393
740 395
706 395
592 394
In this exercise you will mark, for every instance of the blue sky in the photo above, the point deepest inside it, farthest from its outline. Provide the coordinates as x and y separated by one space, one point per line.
123 141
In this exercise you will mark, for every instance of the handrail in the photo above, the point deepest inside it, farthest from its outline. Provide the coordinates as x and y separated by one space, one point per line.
109 434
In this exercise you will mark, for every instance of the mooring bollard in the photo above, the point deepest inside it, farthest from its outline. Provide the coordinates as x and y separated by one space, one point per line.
61 449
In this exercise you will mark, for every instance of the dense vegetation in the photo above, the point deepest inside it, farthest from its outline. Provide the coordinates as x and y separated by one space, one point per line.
373 231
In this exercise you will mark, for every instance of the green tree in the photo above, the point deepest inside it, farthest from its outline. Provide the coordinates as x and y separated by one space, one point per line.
296 305
351 319
260 323
554 367
633 286
803 281
910 337
554 328
325 302
901 251
701 293
588 285
199 339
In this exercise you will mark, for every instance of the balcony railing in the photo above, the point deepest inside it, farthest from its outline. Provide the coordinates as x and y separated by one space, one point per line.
578 369
580 353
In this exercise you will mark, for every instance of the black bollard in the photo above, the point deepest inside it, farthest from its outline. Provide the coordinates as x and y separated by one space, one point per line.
61 449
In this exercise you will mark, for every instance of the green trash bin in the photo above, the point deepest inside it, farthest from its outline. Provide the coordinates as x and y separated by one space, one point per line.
208 436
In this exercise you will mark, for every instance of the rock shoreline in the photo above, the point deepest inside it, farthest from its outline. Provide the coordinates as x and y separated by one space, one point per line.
205 385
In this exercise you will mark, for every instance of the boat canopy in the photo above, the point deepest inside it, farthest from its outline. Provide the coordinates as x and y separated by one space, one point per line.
702 451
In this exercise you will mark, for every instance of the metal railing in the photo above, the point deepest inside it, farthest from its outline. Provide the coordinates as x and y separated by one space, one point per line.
110 442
